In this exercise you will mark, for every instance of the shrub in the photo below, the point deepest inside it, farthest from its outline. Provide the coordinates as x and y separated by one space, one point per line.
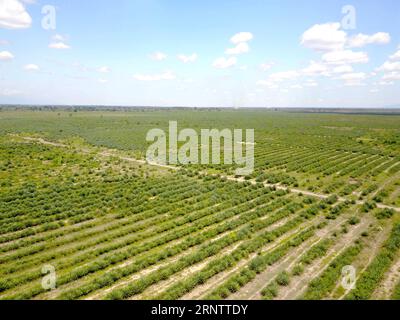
354 220
298 270
283 279
270 291
372 276
368 206
384 213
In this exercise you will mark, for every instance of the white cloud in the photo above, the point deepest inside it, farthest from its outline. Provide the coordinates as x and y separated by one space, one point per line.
391 76
9 92
345 57
242 37
296 86
385 83
354 84
343 69
158 56
315 68
188 80
58 45
272 82
285 75
223 63
391 69
266 66
59 38
362 40
353 76
186 59
104 69
102 80
353 79
80 67
390 66
6 55
31 67
13 15
324 37
240 48
395 56
310 83
168 75
267 83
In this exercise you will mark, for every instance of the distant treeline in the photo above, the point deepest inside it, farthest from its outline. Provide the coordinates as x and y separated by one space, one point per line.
76 108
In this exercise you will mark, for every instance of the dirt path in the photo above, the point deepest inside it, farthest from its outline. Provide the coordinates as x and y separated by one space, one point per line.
42 234
163 285
394 196
391 278
300 283
362 261
385 184
277 186
129 159
388 169
200 291
138 275
252 290
42 141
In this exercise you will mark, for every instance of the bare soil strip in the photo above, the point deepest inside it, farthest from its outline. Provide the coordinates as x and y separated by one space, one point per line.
277 186
163 285
362 261
252 290
299 284
205 288
77 283
391 278
137 276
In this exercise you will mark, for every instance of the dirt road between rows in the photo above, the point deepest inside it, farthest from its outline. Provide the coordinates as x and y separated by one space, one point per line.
140 161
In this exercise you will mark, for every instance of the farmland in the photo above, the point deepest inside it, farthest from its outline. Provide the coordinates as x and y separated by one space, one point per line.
76 193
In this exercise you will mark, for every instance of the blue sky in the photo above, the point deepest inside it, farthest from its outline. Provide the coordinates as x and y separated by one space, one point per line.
236 53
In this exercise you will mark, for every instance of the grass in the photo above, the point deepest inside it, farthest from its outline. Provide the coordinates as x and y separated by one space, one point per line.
102 221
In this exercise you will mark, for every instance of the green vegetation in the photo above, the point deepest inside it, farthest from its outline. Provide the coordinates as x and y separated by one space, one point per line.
283 279
270 291
384 213
396 292
374 273
322 285
74 195
316 251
